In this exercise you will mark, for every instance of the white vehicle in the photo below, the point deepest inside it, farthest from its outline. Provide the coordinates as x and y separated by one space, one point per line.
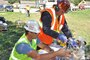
50 3
47 3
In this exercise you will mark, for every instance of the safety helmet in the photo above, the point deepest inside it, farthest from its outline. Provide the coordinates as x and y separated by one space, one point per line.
64 4
3 24
32 26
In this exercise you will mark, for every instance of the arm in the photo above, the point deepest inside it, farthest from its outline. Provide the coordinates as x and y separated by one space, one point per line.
46 21
45 47
46 56
66 30
26 49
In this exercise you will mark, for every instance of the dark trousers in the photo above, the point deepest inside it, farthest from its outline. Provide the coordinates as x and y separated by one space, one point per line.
28 13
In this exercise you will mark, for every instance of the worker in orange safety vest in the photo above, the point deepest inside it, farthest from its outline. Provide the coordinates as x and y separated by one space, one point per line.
53 21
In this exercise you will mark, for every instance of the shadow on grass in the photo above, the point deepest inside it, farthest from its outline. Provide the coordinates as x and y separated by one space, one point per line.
8 39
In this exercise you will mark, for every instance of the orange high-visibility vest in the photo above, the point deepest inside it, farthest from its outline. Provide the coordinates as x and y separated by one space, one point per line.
56 25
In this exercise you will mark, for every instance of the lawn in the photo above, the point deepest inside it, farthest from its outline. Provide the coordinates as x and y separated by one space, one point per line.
10 16
78 21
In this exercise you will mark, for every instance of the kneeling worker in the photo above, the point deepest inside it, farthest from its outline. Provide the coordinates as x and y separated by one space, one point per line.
25 47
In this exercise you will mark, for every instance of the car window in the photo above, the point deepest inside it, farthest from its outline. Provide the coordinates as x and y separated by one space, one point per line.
9 7
1 6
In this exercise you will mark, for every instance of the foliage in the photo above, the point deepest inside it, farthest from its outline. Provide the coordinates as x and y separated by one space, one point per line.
28 0
8 39
12 1
19 1
87 50
87 0
76 2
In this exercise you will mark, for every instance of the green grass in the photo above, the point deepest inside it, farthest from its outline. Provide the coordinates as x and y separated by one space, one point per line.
78 21
10 16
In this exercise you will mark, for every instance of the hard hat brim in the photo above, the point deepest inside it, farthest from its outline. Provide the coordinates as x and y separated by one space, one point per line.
31 30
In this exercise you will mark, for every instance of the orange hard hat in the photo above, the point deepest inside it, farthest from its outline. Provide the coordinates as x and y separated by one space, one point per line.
64 4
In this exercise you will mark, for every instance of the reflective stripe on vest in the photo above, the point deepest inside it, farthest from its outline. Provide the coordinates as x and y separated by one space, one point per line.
16 56
52 13
61 22
54 23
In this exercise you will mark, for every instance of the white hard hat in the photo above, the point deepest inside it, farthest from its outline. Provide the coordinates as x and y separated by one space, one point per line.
32 26
1 22
3 26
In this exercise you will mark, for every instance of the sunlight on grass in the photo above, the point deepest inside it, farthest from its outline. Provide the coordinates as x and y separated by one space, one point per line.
10 16
78 21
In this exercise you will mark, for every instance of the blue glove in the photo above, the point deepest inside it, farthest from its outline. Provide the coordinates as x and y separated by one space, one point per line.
62 37
73 42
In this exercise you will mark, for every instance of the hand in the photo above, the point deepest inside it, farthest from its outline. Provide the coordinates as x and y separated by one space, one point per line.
72 42
48 49
62 37
64 53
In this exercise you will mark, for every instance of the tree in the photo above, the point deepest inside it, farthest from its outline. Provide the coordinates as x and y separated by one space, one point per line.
76 2
12 1
19 1
87 0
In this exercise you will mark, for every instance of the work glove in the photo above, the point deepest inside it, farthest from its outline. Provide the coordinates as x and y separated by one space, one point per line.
72 43
62 37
